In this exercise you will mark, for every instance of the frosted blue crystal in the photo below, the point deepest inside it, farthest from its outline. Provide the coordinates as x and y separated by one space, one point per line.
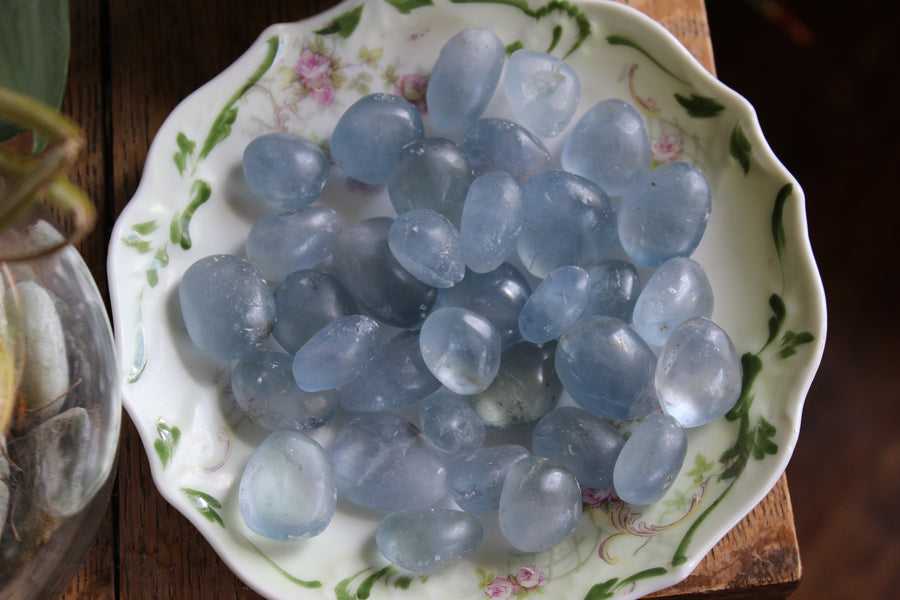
502 145
609 146
607 368
363 262
615 286
476 480
287 490
423 540
498 296
698 376
264 388
281 244
287 170
491 220
451 423
568 220
370 133
464 78
542 90
431 173
677 291
526 388
397 376
305 302
428 246
461 349
580 441
227 306
337 354
665 213
540 504
383 461
650 460
555 304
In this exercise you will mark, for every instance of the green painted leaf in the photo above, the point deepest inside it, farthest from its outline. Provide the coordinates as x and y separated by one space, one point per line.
152 276
342 589
645 574
134 241
791 340
205 505
621 40
365 588
301 582
777 319
764 445
751 365
700 107
344 24
520 4
179 230
680 557
145 228
185 149
601 591
778 218
405 6
739 147
557 34
167 443
162 450
516 45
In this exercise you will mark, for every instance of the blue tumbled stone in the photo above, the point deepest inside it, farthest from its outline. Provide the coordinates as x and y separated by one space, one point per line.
426 539
337 354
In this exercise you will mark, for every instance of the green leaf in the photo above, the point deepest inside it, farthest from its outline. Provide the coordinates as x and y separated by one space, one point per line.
739 147
514 46
557 34
764 445
520 4
791 340
152 278
621 40
365 588
602 591
777 320
344 24
751 366
185 149
179 230
145 228
700 107
645 574
167 443
302 583
778 218
134 241
205 505
405 6
342 589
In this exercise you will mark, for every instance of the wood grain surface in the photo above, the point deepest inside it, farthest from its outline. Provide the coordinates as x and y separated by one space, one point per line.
131 63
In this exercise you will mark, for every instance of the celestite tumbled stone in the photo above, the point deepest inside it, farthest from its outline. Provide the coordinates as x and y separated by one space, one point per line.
383 461
678 290
609 146
650 460
540 504
464 78
287 170
475 480
555 304
281 244
423 540
397 376
305 302
542 90
287 490
228 307
337 354
491 220
698 376
494 144
607 368
568 220
370 133
364 263
461 349
451 423
428 246
665 213
264 388
615 286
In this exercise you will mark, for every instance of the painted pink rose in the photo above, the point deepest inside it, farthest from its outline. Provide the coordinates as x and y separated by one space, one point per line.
501 587
323 93
667 148
312 67
412 87
595 498
530 577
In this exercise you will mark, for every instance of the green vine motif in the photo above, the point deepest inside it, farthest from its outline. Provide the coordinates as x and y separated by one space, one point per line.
167 442
205 504
739 148
315 583
390 574
608 588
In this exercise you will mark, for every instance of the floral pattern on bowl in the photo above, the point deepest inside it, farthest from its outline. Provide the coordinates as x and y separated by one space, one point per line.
299 77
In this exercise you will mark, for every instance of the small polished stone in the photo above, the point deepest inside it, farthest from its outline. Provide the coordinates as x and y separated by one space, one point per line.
461 349
305 302
426 539
494 144
337 354
615 286
285 169
678 290
650 460
491 220
542 90
555 304
428 246
475 480
451 423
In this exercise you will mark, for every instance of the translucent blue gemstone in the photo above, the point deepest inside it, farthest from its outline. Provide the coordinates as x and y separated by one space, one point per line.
568 220
227 306
461 349
650 460
364 263
609 146
382 461
423 540
476 480
502 145
491 220
370 133
287 490
337 354
264 388
665 213
497 296
540 504
451 423
580 441
698 376
555 304
542 90
281 244
431 173
305 302
397 376
607 368
287 170
464 78
428 246
677 291
615 286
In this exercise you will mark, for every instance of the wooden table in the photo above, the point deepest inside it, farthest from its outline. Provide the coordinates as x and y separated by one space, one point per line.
132 62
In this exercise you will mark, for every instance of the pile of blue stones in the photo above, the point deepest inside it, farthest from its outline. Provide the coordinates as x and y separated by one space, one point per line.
478 349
